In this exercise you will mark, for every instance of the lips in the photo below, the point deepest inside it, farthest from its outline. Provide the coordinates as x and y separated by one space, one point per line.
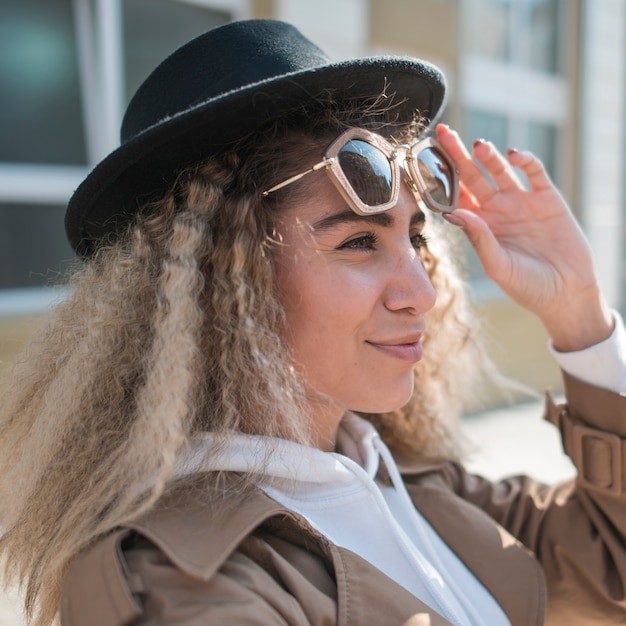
408 348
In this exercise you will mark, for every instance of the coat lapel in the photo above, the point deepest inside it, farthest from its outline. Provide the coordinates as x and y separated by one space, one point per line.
358 582
507 569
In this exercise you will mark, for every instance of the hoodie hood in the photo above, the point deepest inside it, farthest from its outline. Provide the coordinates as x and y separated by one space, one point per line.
284 462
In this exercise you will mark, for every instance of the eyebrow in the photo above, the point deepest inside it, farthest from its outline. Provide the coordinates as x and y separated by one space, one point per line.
348 216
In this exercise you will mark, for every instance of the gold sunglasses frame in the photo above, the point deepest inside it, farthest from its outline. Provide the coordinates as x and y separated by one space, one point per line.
412 175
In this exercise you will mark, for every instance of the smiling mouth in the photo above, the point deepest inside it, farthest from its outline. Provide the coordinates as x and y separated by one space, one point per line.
410 351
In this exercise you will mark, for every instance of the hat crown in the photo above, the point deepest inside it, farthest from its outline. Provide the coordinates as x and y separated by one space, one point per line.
212 92
222 60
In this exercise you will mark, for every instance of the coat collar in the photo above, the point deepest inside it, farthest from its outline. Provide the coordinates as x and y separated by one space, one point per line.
199 526
186 522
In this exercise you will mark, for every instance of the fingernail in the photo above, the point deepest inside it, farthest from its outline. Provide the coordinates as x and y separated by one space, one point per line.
443 126
455 220
512 151
478 142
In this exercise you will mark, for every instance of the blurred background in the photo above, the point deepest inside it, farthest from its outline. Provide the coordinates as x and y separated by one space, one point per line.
548 75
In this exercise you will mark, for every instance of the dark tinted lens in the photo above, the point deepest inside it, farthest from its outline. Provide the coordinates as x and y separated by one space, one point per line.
368 171
436 174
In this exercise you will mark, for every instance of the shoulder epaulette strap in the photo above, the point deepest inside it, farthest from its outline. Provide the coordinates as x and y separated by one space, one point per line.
599 456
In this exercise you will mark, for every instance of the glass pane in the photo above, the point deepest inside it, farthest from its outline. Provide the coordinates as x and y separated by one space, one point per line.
155 28
542 140
522 32
486 125
543 30
33 247
40 99
487 28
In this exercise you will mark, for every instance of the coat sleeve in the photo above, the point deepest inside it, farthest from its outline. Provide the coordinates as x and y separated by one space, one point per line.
576 529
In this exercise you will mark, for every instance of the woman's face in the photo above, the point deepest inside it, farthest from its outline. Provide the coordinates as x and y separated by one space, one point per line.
355 292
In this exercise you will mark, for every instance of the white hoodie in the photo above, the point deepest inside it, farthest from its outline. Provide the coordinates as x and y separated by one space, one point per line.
337 492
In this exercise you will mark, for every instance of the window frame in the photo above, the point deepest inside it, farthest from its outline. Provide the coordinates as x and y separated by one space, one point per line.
98 29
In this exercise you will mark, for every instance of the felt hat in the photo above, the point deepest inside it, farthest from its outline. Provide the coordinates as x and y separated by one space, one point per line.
213 91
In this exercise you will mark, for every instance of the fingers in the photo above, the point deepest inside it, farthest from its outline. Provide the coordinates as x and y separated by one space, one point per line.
533 168
481 238
467 200
471 175
500 169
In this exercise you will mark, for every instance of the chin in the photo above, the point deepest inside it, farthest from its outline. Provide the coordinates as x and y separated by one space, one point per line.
386 402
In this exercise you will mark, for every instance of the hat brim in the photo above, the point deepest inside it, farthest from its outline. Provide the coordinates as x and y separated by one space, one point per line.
146 166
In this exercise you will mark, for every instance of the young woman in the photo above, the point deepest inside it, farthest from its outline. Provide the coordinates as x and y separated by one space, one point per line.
244 412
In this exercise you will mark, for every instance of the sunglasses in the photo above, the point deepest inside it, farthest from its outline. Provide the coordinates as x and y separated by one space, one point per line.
365 168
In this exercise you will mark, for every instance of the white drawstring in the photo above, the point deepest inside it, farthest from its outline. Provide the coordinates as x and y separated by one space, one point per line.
439 592
418 521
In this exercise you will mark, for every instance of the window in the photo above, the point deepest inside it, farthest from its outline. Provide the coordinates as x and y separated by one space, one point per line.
520 32
33 247
155 28
41 119
60 61
506 132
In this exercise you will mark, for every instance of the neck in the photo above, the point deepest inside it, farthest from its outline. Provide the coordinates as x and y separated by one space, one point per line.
325 416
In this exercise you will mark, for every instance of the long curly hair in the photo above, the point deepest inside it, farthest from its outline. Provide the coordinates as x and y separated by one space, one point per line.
175 328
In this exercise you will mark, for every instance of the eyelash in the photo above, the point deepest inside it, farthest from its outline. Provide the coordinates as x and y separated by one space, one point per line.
370 240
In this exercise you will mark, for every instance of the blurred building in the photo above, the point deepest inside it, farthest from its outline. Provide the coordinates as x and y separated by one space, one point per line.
547 75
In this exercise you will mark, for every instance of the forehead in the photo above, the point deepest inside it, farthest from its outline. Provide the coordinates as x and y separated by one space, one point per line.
347 216
319 207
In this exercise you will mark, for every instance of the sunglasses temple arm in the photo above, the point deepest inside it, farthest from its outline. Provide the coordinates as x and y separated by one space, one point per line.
293 179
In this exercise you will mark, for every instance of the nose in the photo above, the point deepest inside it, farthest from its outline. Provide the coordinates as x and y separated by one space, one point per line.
409 287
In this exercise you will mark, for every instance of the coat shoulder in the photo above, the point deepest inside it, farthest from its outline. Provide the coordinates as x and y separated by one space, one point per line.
201 548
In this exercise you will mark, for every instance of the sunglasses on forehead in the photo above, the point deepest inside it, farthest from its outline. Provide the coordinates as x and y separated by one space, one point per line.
366 169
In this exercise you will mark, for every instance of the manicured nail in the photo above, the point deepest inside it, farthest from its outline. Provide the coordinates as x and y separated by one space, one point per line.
510 151
455 220
478 142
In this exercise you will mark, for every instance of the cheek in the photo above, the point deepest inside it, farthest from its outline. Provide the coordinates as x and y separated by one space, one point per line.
311 298
330 313
325 295
324 310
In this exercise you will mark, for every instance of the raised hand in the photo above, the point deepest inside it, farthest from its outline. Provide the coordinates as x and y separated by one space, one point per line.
529 242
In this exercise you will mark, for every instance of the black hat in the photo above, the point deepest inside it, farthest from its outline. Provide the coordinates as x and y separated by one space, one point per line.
213 91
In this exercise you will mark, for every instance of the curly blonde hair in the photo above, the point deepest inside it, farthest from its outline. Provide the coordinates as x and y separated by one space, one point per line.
173 329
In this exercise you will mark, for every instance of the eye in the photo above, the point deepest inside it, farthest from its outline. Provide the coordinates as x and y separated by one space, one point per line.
419 241
362 242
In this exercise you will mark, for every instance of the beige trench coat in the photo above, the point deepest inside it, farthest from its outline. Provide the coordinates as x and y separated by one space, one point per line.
548 554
